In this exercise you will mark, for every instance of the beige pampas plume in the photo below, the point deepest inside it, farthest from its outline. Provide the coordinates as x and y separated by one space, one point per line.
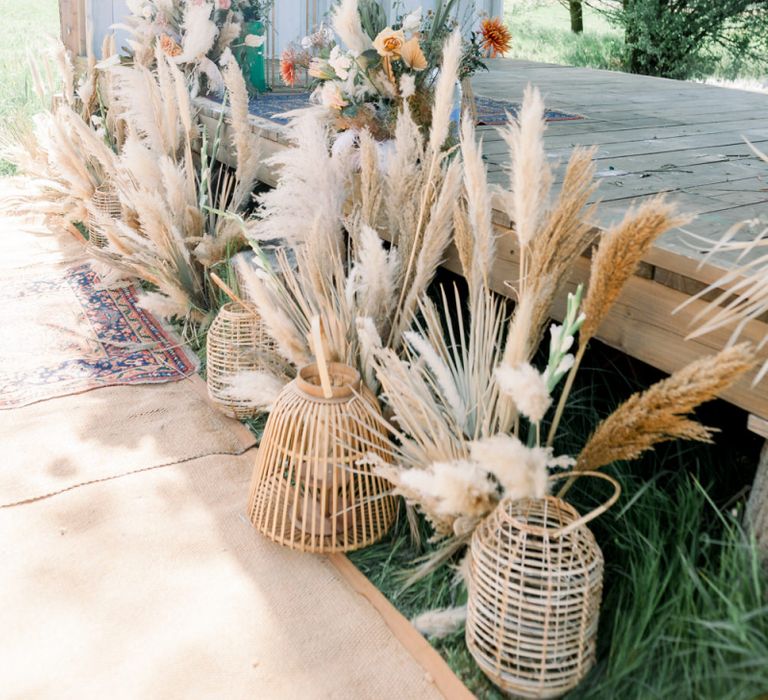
479 209
438 624
661 413
257 387
199 32
530 175
445 91
345 19
246 143
618 254
564 235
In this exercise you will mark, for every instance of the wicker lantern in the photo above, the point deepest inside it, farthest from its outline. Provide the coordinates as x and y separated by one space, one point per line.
534 595
237 342
106 208
308 492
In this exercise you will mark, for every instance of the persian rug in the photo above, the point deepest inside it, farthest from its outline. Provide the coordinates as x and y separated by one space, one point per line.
490 112
62 333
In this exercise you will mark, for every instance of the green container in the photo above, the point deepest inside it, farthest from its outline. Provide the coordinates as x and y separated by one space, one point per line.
251 58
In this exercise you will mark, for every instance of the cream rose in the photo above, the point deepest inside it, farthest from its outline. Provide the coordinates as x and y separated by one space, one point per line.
389 42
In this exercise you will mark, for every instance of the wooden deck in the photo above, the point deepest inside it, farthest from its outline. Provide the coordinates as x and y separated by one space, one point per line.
653 135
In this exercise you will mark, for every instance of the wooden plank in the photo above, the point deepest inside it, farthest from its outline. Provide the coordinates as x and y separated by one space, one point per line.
72 19
758 425
436 669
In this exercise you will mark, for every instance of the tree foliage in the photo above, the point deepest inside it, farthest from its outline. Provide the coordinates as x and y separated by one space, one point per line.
682 38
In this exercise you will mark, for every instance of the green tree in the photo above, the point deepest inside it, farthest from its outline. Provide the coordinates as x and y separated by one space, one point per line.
679 38
577 16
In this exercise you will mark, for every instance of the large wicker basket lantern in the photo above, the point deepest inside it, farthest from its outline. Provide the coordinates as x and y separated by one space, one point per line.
237 342
308 492
535 588
106 208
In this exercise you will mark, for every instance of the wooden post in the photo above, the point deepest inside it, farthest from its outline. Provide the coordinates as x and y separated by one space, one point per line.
756 515
72 18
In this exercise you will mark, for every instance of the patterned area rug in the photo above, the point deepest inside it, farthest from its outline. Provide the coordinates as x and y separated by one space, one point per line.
490 112
63 334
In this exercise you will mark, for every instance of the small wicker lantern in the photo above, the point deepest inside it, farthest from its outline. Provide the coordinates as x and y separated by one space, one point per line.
307 492
237 342
534 595
106 208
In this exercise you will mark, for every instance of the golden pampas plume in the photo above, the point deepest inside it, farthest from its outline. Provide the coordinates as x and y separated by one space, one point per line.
497 39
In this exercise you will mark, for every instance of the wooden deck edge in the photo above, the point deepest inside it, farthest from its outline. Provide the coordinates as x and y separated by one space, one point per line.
437 670
757 425
670 268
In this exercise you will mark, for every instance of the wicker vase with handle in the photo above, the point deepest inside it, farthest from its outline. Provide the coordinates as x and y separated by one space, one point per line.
237 342
535 589
308 492
105 209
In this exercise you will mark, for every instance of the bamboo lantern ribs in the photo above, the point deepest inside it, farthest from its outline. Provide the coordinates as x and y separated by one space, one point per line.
535 588
237 343
308 491
106 209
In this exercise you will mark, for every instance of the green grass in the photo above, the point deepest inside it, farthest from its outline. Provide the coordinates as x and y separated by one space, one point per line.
541 32
27 27
685 611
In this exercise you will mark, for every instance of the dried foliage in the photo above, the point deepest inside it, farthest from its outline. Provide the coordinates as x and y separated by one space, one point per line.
740 295
459 392
336 199
661 413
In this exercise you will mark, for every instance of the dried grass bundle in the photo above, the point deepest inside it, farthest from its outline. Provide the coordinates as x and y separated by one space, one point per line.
740 295
661 413
331 221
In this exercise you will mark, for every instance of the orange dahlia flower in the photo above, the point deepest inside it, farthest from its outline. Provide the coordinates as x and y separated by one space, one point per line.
497 39
288 67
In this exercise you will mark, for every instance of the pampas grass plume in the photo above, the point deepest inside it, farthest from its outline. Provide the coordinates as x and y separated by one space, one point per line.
660 413
441 623
346 23
620 251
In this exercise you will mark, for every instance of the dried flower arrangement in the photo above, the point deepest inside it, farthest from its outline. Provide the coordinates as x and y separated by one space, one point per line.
68 153
411 186
197 35
132 130
364 80
183 212
468 407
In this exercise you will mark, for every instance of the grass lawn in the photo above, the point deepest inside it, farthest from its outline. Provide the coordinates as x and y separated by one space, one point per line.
541 32
27 28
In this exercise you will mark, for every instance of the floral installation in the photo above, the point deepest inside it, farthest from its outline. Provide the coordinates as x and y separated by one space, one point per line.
328 216
197 35
363 70
473 421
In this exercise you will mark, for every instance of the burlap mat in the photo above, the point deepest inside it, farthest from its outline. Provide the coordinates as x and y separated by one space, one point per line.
156 586
56 445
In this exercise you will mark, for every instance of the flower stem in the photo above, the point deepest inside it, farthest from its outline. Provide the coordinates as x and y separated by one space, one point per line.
566 392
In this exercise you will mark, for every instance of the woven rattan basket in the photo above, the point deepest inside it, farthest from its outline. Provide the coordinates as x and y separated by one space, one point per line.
237 342
106 209
307 492
535 588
